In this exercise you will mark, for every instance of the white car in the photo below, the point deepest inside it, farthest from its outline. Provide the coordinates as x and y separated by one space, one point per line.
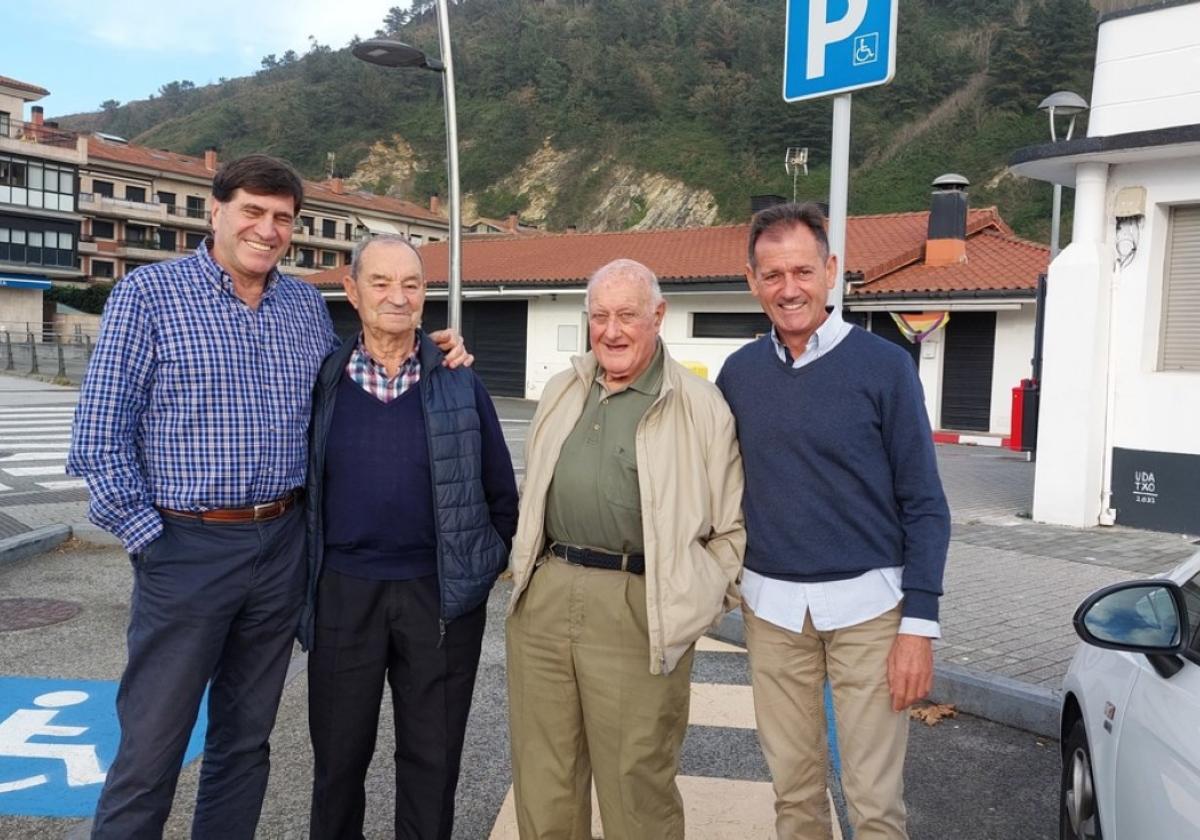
1131 713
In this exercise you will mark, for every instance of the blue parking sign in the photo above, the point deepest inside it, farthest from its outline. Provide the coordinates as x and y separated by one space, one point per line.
835 46
57 740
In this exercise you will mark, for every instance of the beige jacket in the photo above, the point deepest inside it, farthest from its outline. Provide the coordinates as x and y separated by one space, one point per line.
690 480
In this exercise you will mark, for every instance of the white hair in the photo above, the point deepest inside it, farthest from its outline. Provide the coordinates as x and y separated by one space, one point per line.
632 269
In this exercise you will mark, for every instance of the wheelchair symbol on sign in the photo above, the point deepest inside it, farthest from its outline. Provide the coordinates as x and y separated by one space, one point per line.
866 48
81 760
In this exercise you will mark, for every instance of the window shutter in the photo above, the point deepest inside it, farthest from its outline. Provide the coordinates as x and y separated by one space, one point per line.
1181 297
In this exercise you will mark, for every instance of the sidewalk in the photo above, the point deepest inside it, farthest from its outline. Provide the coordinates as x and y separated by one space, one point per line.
1012 586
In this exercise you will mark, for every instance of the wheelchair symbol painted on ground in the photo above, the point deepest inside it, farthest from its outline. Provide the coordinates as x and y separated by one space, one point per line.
57 740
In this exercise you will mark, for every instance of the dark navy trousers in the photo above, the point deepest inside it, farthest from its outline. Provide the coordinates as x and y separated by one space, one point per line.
213 605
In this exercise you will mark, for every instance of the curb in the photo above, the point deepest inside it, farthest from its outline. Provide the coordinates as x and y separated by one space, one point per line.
991 696
33 542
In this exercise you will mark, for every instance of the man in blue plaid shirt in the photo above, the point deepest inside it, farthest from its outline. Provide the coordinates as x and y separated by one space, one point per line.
192 433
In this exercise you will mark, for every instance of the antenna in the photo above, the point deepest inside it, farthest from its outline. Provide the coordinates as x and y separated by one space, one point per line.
795 160
330 160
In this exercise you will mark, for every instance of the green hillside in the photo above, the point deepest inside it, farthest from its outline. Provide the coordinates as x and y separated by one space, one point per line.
686 88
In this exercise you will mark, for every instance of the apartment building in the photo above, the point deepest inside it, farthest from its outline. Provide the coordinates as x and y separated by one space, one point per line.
142 205
39 217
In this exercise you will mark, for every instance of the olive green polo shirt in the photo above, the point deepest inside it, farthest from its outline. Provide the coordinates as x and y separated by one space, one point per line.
594 499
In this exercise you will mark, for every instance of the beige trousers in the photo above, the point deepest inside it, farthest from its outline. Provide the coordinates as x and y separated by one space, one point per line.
582 702
788 672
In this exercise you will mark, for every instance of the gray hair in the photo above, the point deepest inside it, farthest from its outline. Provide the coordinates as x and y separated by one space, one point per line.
632 269
384 239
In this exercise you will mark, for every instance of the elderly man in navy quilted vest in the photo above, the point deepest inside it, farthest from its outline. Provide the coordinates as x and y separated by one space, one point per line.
412 509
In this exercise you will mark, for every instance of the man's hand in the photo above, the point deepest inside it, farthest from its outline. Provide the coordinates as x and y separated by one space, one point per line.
451 343
910 669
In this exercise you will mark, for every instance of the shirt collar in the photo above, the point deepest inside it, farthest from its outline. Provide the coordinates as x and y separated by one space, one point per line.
413 360
825 334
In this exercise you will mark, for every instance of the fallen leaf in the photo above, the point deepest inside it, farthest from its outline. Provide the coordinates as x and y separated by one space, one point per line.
932 713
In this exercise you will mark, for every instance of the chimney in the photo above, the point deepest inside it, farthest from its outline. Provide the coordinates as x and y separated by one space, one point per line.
210 158
946 243
335 186
513 222
435 203
37 117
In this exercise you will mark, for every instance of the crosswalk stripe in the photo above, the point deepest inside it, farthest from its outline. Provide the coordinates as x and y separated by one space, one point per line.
25 444
40 409
57 469
19 438
68 484
34 456
31 429
721 705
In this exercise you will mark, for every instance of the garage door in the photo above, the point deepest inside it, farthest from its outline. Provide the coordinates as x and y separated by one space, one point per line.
495 331
967 371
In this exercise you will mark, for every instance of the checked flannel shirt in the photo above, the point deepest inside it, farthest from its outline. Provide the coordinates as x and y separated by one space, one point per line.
372 376
193 400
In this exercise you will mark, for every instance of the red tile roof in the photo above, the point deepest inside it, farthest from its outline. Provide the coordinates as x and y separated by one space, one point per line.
38 92
173 162
882 247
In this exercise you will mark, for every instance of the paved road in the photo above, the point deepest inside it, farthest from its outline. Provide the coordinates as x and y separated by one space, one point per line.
967 779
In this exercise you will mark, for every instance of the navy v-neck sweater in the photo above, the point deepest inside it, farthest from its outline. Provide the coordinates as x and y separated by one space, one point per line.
378 493
841 475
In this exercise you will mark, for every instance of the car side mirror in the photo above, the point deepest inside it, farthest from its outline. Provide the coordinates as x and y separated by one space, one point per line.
1140 616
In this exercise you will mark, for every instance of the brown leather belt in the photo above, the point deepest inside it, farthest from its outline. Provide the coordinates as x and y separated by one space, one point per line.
254 513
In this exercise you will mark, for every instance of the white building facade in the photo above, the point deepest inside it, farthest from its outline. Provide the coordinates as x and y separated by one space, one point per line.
1119 440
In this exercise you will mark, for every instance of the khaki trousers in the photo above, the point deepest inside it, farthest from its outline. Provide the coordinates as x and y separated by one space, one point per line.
788 672
582 701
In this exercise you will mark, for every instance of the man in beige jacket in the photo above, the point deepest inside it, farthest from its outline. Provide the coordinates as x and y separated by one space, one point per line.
628 547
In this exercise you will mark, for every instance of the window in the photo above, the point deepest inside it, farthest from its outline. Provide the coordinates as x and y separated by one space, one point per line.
193 240
103 230
102 268
195 207
168 199
104 188
5 123
166 240
306 258
135 194
729 324
328 259
1181 292
1191 597
329 228
37 242
306 223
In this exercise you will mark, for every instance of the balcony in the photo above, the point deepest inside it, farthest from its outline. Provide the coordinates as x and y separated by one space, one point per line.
337 242
42 141
150 249
146 211
87 244
196 217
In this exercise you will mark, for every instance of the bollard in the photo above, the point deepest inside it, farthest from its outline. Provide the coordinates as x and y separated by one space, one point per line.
62 361
8 357
33 365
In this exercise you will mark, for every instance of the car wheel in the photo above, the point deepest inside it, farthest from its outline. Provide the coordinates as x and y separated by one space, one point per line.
1079 814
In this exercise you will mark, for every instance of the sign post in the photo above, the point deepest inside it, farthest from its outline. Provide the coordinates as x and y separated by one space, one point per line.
824 57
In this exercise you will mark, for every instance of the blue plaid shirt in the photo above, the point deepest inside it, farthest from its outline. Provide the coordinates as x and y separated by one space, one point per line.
193 400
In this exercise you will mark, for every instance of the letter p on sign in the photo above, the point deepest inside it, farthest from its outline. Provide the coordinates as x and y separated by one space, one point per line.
836 46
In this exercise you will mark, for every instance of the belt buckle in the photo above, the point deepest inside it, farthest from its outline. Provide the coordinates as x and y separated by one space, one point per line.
265 509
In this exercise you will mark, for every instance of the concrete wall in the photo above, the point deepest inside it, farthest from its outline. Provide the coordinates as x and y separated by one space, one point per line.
1154 409
19 307
1147 72
1014 351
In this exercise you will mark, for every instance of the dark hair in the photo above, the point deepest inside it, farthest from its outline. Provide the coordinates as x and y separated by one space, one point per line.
790 214
258 174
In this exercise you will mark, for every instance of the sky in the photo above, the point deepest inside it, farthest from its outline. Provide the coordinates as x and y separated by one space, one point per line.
87 51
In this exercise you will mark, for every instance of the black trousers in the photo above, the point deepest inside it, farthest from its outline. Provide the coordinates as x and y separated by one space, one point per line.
212 605
367 630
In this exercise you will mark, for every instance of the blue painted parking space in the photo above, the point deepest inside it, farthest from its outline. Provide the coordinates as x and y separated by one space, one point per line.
57 740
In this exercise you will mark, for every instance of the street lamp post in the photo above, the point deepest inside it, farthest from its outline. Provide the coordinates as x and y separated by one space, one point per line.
388 53
1067 104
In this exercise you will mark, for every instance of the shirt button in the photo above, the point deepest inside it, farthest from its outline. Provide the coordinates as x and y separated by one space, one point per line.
596 427
604 402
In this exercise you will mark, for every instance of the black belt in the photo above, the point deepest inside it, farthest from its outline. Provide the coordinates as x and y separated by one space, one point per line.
577 556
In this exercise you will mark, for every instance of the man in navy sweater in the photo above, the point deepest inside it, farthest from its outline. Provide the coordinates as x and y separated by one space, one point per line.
412 509
847 529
